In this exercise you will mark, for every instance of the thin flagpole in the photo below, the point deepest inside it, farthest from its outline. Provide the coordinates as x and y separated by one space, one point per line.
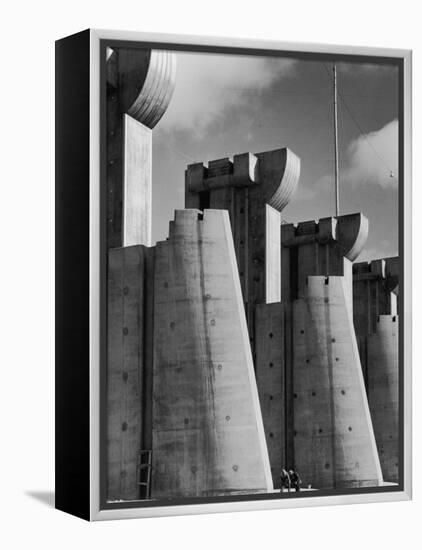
336 174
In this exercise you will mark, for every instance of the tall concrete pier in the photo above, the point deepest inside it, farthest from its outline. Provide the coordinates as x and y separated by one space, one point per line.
375 288
140 83
307 360
254 189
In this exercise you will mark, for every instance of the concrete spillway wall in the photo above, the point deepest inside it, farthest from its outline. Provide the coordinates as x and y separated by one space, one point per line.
208 437
375 288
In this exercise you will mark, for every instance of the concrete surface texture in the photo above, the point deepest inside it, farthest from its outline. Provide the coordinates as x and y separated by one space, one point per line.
334 444
375 289
208 436
270 339
383 393
128 358
137 183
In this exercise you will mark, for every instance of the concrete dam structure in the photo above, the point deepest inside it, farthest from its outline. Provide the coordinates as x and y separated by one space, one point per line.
240 345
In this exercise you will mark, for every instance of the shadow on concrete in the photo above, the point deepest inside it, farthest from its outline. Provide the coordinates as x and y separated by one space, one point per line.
45 497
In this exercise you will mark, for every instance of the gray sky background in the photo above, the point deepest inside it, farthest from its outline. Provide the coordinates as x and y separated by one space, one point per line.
224 104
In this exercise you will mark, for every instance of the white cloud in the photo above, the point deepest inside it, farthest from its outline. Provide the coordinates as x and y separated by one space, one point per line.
209 84
373 157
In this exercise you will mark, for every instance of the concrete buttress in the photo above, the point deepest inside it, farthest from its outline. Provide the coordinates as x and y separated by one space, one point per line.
208 436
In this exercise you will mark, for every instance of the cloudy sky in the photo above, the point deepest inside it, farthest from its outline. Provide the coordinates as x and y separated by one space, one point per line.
223 105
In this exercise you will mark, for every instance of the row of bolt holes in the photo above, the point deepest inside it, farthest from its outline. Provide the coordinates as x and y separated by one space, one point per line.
320 431
186 420
194 469
271 335
172 326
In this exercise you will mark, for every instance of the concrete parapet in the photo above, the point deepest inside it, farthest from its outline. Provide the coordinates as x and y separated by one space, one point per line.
208 436
275 172
334 444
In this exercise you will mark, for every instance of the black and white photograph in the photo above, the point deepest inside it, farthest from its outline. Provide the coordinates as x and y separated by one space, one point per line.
210 286
252 274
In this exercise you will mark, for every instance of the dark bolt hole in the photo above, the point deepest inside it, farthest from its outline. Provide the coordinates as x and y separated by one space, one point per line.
125 376
271 364
271 335
320 431
295 395
343 392
302 332
313 394
186 421
350 428
326 466
271 434
124 426
271 397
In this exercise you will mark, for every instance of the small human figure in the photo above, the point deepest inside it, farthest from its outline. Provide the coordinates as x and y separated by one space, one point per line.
285 482
295 480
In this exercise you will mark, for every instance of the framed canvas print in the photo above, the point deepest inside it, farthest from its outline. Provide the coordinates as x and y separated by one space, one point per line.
233 275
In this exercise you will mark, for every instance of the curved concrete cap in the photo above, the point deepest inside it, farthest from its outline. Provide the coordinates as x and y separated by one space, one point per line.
351 234
146 81
282 168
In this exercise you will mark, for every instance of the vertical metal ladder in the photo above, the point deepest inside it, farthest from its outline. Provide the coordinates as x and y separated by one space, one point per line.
144 473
